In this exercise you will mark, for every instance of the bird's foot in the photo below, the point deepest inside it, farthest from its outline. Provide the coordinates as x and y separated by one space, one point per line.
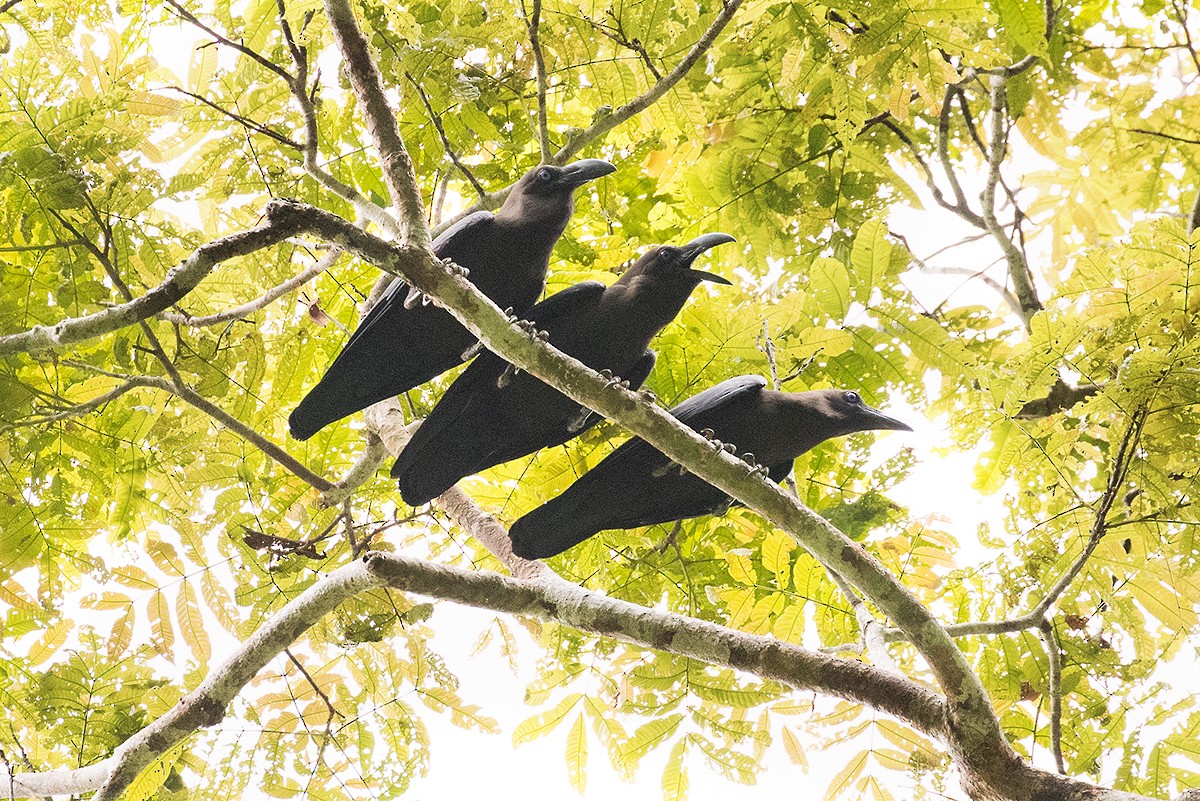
606 374
711 436
454 267
668 468
648 395
542 336
577 423
472 352
761 470
749 459
414 297
528 327
729 448
508 375
510 316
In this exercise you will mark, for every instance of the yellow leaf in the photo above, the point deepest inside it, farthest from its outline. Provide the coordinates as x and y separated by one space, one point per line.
776 556
543 724
50 641
161 631
151 105
740 568
675 778
577 755
789 626
191 623
106 600
121 634
794 749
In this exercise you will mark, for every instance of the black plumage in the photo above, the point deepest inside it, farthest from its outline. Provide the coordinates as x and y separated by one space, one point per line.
637 485
405 341
489 415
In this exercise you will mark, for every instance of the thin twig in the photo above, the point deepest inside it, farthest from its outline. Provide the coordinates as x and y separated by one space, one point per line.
437 124
532 21
245 122
605 124
241 48
246 309
1018 265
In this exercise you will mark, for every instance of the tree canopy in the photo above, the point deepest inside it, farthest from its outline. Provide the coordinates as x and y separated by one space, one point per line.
986 213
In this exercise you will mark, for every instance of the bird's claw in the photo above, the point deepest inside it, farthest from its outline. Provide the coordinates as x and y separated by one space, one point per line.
666 469
510 315
414 297
576 423
708 433
454 267
508 375
542 336
528 327
749 459
647 395
729 447
761 470
472 352
606 374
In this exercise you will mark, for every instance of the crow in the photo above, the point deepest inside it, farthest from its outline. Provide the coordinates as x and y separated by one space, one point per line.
404 341
492 414
637 485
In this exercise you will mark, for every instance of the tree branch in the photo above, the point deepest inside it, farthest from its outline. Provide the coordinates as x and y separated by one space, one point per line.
605 124
266 63
281 223
1018 265
532 21
268 297
364 77
437 124
1054 657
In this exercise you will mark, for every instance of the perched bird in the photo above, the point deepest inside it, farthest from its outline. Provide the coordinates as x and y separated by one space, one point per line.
637 485
404 341
492 413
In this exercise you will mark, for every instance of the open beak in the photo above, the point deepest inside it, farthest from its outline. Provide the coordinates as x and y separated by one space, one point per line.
578 173
700 245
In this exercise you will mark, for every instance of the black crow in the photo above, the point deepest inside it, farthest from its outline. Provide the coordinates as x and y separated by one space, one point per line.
404 341
492 414
637 485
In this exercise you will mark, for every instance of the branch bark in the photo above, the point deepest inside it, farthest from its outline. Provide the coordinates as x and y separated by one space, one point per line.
281 222
382 126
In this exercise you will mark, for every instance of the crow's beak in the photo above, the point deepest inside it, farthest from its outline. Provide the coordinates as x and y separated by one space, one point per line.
578 173
701 244
881 422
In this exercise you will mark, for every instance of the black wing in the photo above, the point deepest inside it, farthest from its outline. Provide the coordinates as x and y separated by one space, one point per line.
394 348
477 424
636 485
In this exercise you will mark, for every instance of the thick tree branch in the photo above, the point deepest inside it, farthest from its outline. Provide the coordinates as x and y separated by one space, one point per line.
281 222
1054 691
549 600
382 126
640 103
972 716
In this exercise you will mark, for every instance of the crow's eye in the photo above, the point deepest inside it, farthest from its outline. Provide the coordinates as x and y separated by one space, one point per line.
545 175
851 397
